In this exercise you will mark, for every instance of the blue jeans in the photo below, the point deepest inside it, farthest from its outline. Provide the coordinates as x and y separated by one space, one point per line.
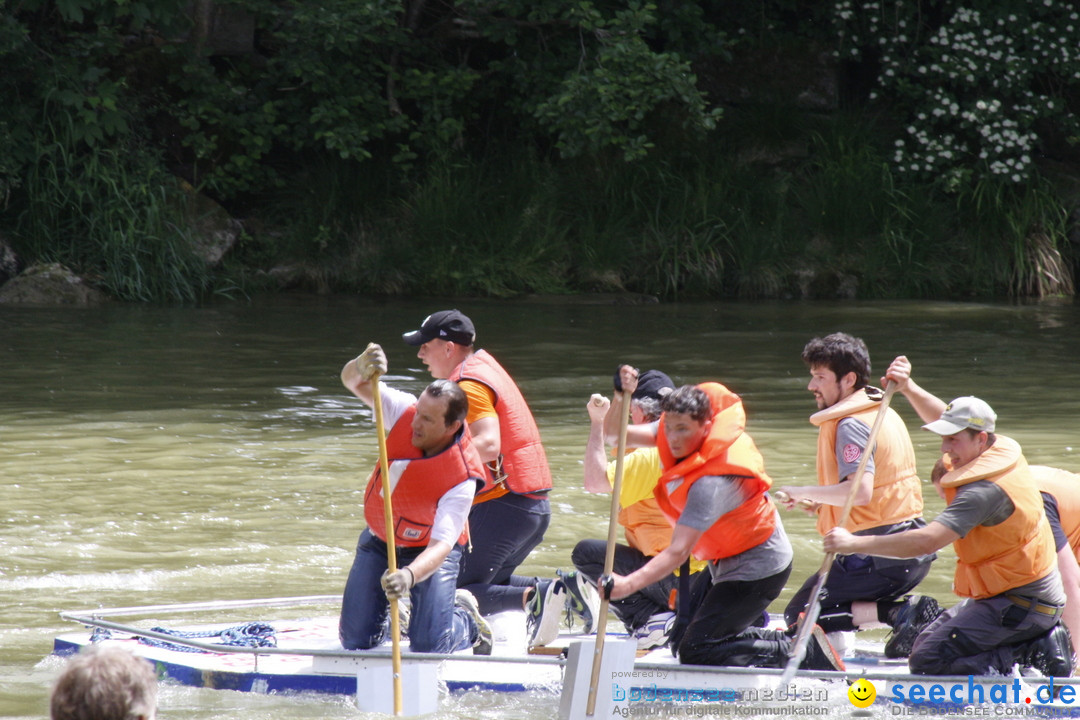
435 624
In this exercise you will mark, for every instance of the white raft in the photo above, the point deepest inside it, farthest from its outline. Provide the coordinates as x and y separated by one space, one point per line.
309 658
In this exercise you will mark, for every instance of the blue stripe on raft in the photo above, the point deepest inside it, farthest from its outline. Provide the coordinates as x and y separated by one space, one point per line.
266 684
242 682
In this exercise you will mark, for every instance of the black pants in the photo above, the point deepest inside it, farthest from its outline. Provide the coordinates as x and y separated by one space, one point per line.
503 532
719 632
854 578
635 609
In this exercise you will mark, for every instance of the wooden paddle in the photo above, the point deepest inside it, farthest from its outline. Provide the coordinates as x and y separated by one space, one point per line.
391 549
609 556
813 604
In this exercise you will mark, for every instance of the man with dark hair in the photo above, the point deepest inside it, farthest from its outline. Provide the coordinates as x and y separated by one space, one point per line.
646 614
861 590
714 491
434 473
511 514
105 682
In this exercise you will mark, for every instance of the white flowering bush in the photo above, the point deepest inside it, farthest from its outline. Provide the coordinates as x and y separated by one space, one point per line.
976 80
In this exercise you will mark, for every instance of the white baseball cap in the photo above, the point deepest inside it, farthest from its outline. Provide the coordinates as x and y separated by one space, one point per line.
964 413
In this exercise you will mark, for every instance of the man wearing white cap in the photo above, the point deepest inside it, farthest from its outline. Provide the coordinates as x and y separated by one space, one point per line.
1006 562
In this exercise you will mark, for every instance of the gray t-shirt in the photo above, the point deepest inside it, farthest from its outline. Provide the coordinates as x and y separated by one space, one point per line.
984 503
851 437
713 496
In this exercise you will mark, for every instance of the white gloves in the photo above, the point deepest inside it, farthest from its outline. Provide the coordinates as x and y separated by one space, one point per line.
371 362
397 584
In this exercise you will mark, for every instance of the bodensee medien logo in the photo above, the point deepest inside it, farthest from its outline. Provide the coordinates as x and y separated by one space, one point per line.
659 701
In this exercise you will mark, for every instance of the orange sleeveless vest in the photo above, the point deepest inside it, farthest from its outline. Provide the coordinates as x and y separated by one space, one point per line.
647 529
417 483
1020 550
524 462
1065 487
897 491
727 450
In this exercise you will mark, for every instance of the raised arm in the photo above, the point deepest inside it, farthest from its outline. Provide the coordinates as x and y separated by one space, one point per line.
928 406
596 478
357 373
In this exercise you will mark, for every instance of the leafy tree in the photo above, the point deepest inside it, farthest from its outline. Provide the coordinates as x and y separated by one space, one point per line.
981 86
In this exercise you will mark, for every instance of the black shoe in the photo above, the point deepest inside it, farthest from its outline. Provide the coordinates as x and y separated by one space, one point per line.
820 654
912 619
1051 653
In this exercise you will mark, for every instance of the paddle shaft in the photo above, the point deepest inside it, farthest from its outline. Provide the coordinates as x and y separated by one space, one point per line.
391 548
609 555
813 604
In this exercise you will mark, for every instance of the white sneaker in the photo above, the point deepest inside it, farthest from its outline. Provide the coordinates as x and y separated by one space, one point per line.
841 641
542 613
582 600
655 632
484 640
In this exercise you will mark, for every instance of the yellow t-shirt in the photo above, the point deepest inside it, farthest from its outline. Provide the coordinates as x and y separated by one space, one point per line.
647 529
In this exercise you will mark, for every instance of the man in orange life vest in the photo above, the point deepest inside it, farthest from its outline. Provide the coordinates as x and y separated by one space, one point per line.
861 590
1061 504
511 514
1060 490
646 613
1006 564
434 472
714 491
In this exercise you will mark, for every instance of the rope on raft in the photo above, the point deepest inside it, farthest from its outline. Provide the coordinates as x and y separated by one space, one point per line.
252 634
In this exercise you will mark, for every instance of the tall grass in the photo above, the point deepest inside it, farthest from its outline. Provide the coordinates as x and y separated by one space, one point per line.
108 213
784 206
1016 236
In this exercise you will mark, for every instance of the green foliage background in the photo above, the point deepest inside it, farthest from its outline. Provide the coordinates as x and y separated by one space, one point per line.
498 147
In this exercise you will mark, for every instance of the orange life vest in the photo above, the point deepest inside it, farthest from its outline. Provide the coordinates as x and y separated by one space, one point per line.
897 491
647 528
417 483
726 450
524 463
1065 487
1018 551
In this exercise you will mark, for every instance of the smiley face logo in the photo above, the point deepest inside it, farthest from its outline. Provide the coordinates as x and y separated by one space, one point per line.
862 693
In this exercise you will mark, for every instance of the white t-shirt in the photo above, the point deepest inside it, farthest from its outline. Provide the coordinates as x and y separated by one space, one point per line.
453 507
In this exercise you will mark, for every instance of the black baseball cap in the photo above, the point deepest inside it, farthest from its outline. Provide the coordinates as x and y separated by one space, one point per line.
651 384
449 325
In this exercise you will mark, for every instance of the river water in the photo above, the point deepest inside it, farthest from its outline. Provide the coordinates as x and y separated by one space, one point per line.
159 455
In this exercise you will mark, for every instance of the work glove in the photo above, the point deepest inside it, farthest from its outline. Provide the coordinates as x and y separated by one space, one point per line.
371 362
397 584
